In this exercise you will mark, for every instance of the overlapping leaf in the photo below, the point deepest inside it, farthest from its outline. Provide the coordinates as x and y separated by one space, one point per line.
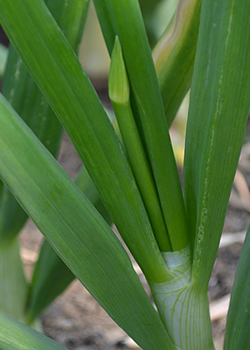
125 20
67 88
77 231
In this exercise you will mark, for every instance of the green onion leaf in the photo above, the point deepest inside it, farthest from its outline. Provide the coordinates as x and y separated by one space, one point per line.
219 107
76 230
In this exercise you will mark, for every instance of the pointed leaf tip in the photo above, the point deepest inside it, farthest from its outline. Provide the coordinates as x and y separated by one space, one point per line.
118 81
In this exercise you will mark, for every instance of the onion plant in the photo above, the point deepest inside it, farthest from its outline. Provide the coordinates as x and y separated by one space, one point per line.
129 175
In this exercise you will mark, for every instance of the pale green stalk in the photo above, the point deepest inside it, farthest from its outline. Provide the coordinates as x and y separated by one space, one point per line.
127 23
184 309
119 94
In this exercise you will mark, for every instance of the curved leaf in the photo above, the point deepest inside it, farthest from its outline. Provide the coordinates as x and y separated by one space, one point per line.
15 335
127 22
77 231
68 89
51 276
26 98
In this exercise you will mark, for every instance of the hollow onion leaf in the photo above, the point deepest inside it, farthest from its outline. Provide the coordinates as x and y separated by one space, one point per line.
219 106
127 22
76 230
67 88
26 98
119 94
51 276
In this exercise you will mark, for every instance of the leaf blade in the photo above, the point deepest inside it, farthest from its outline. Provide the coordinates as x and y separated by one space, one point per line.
15 335
26 98
51 276
128 24
216 124
68 220
59 73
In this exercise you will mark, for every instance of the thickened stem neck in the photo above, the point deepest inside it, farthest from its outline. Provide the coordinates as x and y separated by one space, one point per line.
183 307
